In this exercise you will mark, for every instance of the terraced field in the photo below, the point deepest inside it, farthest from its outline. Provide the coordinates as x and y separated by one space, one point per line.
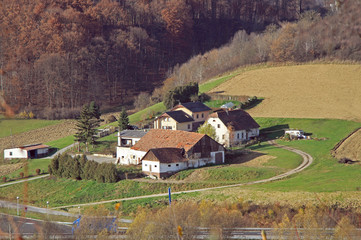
305 91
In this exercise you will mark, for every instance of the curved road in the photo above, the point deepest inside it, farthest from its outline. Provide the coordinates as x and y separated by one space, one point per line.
307 161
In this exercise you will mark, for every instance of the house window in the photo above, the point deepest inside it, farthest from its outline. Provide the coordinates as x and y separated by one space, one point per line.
238 135
145 165
11 153
219 125
122 156
214 120
155 166
133 156
197 115
223 136
242 135
177 164
169 165
189 126
202 115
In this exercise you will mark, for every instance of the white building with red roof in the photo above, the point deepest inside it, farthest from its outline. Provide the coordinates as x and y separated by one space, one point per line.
28 151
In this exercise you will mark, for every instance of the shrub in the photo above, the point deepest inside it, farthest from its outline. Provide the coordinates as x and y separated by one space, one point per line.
110 119
38 171
4 179
21 174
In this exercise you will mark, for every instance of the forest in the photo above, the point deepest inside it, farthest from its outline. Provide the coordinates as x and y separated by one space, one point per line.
56 55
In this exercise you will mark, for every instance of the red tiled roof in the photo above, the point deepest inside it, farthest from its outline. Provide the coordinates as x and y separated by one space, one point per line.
34 147
239 119
163 138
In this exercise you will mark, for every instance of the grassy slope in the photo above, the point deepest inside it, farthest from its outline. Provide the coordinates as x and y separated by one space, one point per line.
14 126
33 164
325 174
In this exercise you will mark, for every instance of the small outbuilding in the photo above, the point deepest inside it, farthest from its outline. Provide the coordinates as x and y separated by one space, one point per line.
28 151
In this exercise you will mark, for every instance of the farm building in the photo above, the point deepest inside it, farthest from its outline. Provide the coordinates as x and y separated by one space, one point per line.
197 150
27 151
162 162
233 126
127 139
185 116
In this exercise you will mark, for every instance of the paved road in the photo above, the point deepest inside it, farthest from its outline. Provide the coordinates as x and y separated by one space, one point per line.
307 161
12 226
12 205
24 180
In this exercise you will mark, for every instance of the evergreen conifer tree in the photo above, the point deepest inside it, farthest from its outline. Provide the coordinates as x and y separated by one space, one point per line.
123 120
86 127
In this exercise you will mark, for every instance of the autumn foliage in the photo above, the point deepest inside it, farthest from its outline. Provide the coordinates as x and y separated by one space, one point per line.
61 54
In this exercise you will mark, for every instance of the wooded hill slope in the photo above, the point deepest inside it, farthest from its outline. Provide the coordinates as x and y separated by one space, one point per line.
60 54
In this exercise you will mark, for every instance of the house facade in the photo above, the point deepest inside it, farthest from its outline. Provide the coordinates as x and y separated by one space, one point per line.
127 139
163 162
186 117
27 151
177 120
233 126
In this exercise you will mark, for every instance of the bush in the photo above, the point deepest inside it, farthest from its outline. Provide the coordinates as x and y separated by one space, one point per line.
110 119
21 174
4 179
38 171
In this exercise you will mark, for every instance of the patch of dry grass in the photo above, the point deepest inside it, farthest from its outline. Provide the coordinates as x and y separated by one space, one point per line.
303 91
351 147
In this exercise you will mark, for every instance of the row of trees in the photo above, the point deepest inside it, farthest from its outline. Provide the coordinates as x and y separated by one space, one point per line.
79 168
184 219
330 37
61 54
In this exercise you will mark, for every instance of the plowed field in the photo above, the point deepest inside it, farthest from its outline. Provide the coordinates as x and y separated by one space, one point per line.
305 91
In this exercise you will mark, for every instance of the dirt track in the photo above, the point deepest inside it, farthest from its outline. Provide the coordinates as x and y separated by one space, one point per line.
305 91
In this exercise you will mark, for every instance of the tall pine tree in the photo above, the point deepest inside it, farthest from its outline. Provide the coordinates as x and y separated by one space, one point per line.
123 120
86 127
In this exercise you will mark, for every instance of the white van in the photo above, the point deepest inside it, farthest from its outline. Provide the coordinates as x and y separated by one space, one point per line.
297 133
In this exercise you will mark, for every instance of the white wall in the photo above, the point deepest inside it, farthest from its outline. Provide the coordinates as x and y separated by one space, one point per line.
158 167
15 153
147 165
127 156
221 130
213 156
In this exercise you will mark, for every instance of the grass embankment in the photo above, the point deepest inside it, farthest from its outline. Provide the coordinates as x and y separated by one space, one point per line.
32 165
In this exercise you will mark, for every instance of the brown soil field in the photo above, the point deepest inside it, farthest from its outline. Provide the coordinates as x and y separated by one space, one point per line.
350 148
302 91
40 135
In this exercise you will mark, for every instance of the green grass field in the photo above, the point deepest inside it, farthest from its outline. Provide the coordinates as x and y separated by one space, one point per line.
13 126
325 174
33 164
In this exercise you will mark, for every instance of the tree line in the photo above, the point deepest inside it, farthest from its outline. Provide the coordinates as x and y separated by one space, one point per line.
79 168
60 54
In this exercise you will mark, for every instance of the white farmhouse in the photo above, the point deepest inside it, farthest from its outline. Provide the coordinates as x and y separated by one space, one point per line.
27 151
233 126
126 140
161 162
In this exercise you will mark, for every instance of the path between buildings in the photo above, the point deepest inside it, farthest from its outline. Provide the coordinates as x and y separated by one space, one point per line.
307 161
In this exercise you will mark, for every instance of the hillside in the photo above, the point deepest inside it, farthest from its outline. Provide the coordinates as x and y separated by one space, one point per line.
307 91
350 148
